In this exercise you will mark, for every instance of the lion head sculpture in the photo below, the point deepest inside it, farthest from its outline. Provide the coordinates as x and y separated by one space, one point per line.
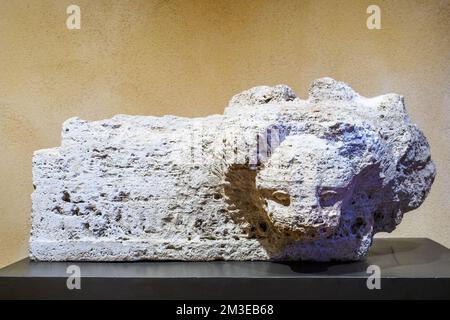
273 178
327 173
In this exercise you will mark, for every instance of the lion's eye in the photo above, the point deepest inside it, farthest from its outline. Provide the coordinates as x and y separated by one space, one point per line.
281 197
328 198
278 196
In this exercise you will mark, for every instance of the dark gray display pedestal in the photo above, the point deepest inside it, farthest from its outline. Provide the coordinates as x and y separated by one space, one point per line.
410 268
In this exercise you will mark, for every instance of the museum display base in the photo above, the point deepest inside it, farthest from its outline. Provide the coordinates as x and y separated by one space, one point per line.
411 268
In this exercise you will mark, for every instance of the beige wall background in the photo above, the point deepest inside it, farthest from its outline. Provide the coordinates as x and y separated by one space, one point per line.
189 57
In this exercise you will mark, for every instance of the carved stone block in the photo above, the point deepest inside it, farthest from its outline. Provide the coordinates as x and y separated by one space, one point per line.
273 178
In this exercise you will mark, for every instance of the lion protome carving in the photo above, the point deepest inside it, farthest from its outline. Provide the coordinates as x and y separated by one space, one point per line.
273 178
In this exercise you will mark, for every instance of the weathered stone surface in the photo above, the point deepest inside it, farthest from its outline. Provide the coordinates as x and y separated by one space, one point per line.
274 178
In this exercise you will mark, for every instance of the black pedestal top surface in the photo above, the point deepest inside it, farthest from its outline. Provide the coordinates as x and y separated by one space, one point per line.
410 268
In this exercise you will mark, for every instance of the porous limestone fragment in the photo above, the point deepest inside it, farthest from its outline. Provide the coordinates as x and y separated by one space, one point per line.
273 178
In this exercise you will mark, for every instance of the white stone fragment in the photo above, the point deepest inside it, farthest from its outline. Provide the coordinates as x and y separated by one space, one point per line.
274 178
